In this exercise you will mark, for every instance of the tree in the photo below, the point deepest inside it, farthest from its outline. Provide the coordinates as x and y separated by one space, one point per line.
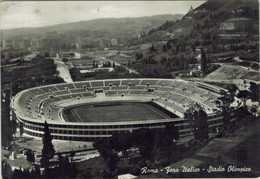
6 170
47 54
244 94
232 90
138 56
201 127
155 147
33 158
48 149
21 129
28 155
73 171
193 47
203 62
226 113
177 48
72 154
189 116
240 115
13 126
226 100
65 60
111 160
168 44
164 48
172 131
152 48
64 166
198 122
8 126
108 64
254 91
182 59
183 47
37 173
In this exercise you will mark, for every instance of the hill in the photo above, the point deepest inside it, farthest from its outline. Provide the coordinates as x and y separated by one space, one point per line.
111 25
174 46
204 20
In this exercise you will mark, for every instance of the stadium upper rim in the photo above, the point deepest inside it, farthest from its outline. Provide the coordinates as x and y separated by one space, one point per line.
43 103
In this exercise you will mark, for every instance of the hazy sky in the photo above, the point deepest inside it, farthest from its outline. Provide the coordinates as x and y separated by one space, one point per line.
43 13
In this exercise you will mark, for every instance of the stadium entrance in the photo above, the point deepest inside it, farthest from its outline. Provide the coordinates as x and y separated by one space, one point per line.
100 93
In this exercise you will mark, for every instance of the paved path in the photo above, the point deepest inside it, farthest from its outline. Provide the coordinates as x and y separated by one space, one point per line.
118 64
130 70
64 71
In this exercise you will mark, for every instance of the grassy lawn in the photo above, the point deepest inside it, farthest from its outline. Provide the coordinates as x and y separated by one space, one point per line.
92 167
117 112
233 72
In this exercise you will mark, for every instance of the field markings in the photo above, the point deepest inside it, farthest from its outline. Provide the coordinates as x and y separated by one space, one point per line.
119 113
76 115
157 111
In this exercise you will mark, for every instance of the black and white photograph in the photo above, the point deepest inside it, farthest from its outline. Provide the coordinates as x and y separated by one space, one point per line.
130 89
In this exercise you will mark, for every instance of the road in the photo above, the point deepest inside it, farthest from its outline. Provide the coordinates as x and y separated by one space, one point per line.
118 64
130 70
64 71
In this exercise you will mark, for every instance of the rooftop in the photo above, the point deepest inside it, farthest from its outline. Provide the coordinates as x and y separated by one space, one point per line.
238 19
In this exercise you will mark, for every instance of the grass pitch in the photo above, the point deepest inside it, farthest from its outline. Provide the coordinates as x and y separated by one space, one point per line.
113 112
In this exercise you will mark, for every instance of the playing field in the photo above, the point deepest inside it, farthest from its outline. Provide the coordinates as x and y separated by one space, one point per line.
113 112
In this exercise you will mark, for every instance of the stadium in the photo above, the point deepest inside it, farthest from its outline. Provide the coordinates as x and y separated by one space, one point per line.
86 110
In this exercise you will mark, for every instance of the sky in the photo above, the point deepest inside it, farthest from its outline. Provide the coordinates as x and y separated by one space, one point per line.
43 13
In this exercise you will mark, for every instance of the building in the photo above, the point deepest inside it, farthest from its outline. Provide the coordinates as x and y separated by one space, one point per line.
3 43
34 43
7 44
46 103
114 42
197 11
104 43
79 43
191 9
70 55
127 176
108 69
235 27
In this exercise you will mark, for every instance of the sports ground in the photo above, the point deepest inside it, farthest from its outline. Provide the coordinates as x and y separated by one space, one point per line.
113 112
